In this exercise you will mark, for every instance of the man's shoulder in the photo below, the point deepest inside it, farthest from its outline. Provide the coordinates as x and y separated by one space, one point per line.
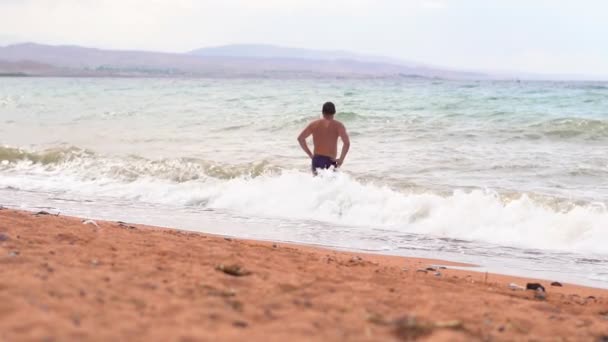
339 123
315 122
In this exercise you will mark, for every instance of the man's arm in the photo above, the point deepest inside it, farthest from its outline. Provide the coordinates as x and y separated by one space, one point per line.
302 139
345 144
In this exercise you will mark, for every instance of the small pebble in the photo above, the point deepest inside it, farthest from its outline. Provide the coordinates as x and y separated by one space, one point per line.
3 237
556 283
13 253
233 270
240 324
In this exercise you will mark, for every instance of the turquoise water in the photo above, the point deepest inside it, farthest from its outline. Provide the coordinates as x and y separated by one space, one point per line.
511 173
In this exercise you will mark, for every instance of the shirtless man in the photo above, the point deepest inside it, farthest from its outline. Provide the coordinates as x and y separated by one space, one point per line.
325 133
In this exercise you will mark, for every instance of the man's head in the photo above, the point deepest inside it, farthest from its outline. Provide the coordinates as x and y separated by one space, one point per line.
329 109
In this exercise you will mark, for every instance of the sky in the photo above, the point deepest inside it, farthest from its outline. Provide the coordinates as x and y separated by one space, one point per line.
538 36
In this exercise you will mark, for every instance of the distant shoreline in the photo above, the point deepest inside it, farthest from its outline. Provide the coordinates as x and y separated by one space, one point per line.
14 74
286 77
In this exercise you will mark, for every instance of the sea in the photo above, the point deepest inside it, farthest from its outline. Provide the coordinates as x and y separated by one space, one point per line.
508 175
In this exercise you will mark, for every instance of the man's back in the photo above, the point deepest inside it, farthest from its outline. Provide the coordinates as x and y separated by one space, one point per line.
325 134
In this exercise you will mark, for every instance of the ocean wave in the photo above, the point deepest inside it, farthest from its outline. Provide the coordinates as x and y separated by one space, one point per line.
45 157
566 128
588 86
86 165
346 117
263 190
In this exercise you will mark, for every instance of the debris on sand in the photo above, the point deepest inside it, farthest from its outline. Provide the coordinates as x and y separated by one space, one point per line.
240 324
3 237
214 291
125 225
422 270
514 287
539 290
540 294
356 260
41 212
454 324
377 319
91 222
556 283
535 286
233 270
410 328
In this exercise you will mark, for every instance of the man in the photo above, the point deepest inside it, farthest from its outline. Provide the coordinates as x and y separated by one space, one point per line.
325 133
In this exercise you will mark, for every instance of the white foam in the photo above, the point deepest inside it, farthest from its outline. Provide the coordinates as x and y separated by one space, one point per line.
339 198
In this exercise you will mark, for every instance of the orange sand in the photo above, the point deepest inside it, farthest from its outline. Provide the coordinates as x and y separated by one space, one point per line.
64 280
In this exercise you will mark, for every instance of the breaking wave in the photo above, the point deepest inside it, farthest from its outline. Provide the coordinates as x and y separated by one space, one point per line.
265 190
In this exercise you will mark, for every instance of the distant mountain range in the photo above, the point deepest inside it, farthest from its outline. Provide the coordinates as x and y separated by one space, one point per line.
231 61
273 51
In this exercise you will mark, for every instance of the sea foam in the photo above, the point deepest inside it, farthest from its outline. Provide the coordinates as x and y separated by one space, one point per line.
518 219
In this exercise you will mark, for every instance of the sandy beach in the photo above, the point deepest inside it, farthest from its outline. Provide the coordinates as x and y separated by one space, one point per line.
68 279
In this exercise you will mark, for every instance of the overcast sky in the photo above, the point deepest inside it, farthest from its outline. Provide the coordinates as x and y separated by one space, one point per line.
545 36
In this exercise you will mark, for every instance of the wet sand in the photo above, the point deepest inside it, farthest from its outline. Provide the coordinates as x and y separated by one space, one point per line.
65 280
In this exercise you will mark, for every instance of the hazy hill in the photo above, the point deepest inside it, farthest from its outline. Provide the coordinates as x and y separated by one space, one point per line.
273 51
227 61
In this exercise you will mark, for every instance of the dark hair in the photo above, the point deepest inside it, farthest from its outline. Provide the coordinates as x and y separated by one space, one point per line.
329 108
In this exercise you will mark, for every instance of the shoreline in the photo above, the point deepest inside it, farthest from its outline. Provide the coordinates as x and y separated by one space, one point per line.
99 280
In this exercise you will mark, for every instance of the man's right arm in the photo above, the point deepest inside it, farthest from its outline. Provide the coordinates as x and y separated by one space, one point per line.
345 144
302 139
